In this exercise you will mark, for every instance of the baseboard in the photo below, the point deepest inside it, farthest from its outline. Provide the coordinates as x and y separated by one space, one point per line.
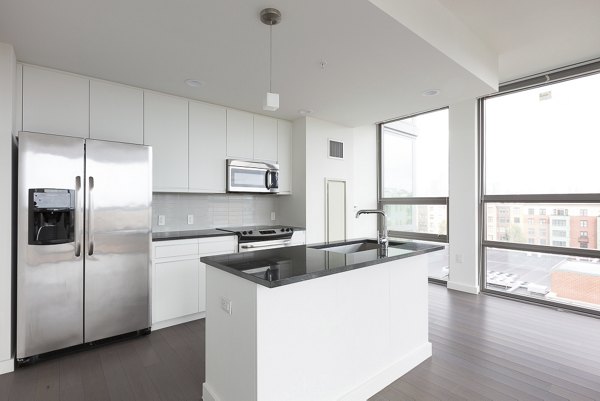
7 366
207 394
471 289
389 375
183 319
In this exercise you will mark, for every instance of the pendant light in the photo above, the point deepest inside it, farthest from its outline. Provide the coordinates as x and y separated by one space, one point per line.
270 16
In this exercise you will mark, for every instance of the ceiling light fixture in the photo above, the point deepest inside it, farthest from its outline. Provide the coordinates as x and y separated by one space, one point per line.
431 92
270 16
194 83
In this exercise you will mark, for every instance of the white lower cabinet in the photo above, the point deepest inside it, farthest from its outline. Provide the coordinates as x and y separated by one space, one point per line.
299 237
179 278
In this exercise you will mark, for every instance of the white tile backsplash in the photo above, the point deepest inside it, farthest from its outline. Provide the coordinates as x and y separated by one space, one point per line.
212 210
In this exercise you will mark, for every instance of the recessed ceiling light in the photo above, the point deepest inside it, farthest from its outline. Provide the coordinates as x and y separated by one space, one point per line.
431 92
194 83
304 112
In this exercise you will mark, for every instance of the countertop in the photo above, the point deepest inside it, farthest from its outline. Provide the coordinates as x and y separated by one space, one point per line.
293 264
189 234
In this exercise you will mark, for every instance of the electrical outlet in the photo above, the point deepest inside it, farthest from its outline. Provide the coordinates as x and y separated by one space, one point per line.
190 219
272 216
226 305
161 220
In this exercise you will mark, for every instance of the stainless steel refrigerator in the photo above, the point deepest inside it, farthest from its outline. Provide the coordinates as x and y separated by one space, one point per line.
84 236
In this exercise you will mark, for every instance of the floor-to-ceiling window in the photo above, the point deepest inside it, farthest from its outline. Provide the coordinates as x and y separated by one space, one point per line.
541 192
413 186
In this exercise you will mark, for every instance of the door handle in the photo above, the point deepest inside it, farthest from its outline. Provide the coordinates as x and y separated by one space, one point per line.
90 216
77 219
250 246
268 179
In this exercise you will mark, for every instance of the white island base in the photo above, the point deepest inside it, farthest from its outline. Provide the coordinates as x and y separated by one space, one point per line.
344 336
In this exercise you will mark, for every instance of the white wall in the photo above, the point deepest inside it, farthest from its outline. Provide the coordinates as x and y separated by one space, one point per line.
319 167
463 214
293 207
365 180
8 65
312 166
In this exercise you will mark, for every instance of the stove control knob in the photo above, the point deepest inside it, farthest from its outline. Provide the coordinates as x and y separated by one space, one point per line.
244 233
283 229
250 232
287 229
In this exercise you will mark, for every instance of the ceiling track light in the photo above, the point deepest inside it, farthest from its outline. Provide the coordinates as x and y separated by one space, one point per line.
270 16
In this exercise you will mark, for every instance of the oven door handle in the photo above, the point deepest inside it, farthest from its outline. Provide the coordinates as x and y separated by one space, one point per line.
250 246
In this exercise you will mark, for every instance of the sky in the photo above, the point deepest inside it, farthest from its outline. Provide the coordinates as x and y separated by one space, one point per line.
544 140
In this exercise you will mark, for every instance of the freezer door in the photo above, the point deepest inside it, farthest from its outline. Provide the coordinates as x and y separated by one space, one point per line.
118 238
49 275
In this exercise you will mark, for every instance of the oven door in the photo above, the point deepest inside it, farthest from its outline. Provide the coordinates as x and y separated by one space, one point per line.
260 245
245 176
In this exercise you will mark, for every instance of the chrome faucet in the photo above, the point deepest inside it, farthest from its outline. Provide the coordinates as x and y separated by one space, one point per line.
382 236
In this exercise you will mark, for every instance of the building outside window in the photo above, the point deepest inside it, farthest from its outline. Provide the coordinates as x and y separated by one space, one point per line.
560 265
414 181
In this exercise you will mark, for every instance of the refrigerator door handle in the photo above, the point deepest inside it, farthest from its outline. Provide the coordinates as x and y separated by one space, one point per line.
77 219
90 217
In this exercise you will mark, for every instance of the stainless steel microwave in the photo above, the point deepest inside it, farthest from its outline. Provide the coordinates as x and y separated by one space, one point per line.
245 176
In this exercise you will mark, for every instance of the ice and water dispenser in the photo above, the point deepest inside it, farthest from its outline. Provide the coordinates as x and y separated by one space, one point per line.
51 216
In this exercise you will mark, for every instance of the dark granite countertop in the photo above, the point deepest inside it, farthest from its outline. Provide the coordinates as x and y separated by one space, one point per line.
283 266
189 234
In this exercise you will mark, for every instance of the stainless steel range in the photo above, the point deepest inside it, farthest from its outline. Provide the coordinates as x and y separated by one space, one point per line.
254 238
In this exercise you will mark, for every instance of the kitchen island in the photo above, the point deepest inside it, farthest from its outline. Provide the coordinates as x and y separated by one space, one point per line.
314 322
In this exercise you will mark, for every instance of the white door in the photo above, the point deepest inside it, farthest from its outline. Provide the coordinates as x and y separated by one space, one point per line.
336 210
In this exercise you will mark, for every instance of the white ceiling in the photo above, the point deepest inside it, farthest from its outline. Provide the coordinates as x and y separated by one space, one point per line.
533 36
376 67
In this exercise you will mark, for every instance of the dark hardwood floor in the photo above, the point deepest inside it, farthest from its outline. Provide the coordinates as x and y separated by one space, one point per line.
484 348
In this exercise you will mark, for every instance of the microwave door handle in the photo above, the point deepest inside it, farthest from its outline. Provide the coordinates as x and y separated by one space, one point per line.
268 179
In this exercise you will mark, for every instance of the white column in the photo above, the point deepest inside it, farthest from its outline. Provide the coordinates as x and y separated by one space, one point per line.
8 68
463 192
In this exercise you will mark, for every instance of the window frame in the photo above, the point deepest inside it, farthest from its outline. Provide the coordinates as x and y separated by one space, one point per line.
413 200
539 81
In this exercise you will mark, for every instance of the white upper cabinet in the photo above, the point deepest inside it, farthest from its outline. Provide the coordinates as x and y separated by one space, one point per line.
207 148
116 112
265 138
166 130
55 102
240 134
284 155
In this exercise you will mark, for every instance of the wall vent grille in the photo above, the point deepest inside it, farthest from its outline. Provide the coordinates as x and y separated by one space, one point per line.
336 149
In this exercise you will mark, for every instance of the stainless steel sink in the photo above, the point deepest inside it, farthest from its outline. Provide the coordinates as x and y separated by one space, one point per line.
351 246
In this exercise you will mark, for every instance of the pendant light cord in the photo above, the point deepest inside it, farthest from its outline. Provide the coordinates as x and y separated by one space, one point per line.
270 57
